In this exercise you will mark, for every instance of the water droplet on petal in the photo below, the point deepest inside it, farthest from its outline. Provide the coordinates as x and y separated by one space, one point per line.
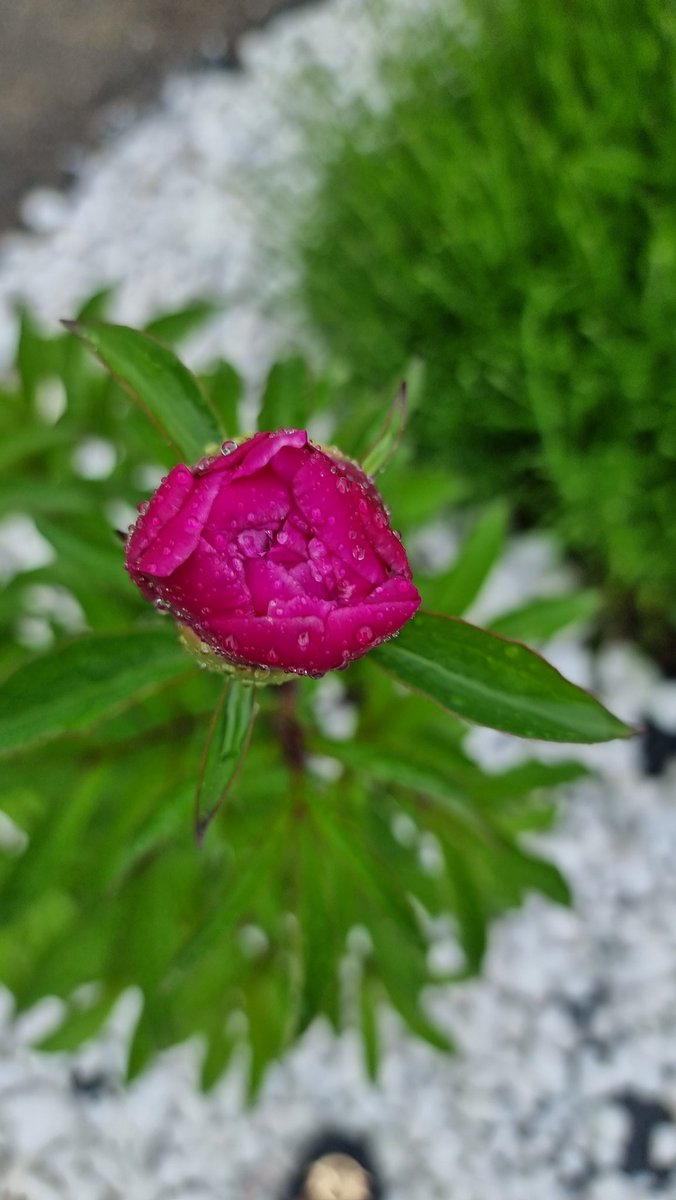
303 640
380 519
365 635
228 447
359 553
352 535
273 656
342 485
331 520
142 507
231 643
282 537
161 606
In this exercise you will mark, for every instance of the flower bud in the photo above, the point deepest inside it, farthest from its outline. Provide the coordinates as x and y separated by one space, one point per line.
275 555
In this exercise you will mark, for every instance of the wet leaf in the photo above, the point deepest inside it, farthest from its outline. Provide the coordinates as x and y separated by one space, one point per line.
164 388
456 590
491 681
387 440
227 742
75 685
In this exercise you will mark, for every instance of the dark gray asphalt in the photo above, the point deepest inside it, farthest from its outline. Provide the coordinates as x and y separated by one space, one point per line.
64 64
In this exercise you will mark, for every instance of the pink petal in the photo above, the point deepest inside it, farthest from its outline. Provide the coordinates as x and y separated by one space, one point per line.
263 447
288 643
328 501
176 540
207 583
164 504
350 632
261 502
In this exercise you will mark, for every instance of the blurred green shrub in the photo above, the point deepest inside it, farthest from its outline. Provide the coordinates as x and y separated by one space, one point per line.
509 215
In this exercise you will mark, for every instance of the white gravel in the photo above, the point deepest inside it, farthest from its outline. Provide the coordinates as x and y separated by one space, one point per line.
569 1037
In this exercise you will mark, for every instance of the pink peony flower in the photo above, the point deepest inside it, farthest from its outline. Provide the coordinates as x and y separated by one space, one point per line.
276 553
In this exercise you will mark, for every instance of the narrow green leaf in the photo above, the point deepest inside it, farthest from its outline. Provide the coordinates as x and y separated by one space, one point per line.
101 561
29 495
172 327
29 441
285 396
387 440
226 745
491 681
456 590
250 878
543 618
223 386
470 912
164 388
368 1024
77 684
80 1023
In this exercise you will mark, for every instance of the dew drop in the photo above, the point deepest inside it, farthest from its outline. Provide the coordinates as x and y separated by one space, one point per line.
331 520
166 550
142 507
231 643
228 447
380 518
282 537
342 485
316 514
352 535
365 635
402 586
161 606
359 553
303 640
273 656
363 507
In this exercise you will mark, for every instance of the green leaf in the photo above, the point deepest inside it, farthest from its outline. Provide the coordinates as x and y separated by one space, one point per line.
455 591
541 619
29 495
223 386
172 327
387 440
164 388
285 396
80 1023
368 1023
226 745
491 681
70 688
87 560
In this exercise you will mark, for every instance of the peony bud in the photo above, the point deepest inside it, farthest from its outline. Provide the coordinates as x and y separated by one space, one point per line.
277 554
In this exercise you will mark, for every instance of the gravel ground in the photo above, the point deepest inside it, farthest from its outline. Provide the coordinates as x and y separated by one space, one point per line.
565 1084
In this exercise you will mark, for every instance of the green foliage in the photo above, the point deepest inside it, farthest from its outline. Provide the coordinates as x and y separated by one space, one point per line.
494 681
329 854
509 215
